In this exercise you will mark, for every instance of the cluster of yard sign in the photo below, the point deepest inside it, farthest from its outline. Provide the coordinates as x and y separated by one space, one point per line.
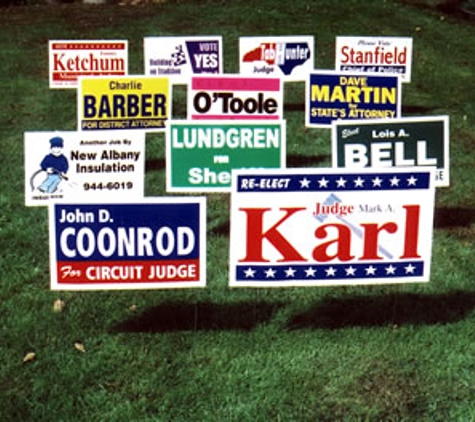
366 220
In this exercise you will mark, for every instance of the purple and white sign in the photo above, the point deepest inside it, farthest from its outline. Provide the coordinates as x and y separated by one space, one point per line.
180 58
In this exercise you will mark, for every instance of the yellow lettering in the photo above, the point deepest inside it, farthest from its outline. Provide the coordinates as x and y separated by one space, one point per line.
320 93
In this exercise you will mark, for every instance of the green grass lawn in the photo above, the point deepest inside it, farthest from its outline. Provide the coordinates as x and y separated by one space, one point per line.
398 353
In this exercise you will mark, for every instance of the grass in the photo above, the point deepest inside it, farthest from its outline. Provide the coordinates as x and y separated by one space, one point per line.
396 353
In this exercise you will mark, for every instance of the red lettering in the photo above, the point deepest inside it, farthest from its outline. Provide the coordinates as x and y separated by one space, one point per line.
411 234
345 58
57 64
256 236
342 242
371 233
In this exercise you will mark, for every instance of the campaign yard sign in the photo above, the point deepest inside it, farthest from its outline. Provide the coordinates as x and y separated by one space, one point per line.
83 166
125 103
71 59
329 227
235 97
402 142
152 244
375 55
179 58
342 96
201 155
288 57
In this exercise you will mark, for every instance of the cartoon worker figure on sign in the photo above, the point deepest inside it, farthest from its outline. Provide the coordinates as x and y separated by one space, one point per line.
55 164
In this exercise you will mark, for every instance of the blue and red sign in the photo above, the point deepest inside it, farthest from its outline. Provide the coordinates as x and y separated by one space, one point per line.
322 227
159 243
288 57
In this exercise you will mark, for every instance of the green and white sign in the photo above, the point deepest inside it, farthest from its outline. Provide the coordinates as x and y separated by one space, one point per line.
402 142
200 156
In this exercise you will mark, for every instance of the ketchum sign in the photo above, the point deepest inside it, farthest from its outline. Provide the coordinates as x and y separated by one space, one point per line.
70 59
322 227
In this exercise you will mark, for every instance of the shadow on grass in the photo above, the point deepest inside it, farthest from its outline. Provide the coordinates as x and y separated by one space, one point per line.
156 164
459 9
221 229
296 160
450 217
417 109
289 107
378 311
171 317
